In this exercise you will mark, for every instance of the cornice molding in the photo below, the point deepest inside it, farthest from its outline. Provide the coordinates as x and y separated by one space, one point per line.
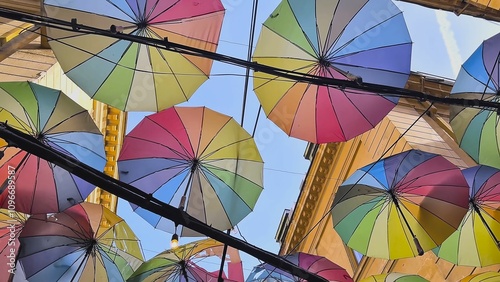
312 190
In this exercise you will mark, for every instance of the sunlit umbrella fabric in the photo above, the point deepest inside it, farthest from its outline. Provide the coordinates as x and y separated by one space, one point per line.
86 242
199 153
11 224
132 76
333 39
475 241
482 277
476 129
319 265
180 264
395 277
370 207
58 122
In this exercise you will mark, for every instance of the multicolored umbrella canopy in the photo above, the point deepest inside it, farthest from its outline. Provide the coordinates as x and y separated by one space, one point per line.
195 158
482 277
475 243
312 263
86 242
57 121
11 224
132 76
362 40
184 264
395 277
476 129
400 206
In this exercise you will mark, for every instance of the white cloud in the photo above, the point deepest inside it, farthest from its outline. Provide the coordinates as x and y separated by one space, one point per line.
450 42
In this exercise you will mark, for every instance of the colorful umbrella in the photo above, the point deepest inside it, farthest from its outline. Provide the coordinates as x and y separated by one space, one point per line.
362 40
475 243
312 263
86 242
476 129
483 277
194 158
400 206
57 121
395 277
183 264
132 76
11 224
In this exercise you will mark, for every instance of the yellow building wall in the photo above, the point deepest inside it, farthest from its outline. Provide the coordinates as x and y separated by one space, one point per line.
311 229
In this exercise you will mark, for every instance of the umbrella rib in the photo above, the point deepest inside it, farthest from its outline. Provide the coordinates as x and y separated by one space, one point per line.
172 73
202 153
79 11
219 199
486 87
228 187
407 227
236 174
153 172
152 32
185 156
168 8
38 103
116 65
361 34
121 10
82 112
224 147
27 129
133 77
63 141
41 269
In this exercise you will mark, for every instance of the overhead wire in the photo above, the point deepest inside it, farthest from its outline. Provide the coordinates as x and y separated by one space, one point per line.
293 75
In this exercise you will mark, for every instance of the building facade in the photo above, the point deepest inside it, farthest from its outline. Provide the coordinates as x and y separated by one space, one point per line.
407 127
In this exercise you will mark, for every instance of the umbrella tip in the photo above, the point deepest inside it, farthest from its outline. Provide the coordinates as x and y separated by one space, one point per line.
418 246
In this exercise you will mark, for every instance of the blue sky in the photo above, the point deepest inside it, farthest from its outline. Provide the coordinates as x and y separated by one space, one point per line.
442 41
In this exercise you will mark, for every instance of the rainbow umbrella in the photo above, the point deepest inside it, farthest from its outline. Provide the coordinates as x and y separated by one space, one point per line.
197 159
400 206
11 224
476 129
57 121
132 76
184 264
395 277
475 243
86 242
483 277
363 40
319 265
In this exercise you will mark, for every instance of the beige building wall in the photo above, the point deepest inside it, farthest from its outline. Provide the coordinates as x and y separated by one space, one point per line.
311 229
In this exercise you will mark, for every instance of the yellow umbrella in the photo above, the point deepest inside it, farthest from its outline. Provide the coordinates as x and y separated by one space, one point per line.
395 277
483 277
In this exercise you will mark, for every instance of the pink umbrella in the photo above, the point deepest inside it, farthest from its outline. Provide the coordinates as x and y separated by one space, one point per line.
312 263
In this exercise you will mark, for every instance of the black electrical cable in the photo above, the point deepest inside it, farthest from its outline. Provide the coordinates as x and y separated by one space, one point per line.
292 75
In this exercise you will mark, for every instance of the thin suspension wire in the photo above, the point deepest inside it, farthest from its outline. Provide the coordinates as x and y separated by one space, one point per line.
243 107
249 58
357 181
